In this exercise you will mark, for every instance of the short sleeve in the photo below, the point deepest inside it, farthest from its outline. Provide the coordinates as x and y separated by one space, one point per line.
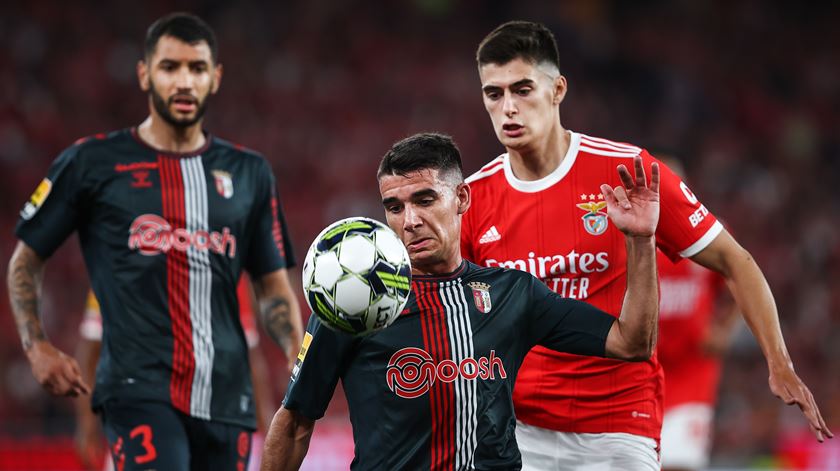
566 325
322 359
270 247
52 212
685 226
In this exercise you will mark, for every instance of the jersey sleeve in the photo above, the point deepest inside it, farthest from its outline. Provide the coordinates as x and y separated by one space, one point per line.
566 325
270 244
323 357
51 213
91 326
685 226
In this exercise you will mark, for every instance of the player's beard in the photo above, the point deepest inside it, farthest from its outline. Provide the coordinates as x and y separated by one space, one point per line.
162 108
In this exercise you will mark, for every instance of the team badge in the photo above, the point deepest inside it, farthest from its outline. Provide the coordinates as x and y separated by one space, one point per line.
595 221
37 199
481 296
224 184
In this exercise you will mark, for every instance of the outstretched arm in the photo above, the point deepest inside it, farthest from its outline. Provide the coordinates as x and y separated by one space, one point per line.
634 209
287 441
56 372
755 300
280 312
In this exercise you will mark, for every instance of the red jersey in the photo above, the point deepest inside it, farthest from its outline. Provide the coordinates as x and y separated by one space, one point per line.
688 295
557 229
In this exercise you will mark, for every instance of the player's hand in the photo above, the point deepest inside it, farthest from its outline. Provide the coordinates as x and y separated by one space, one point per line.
787 386
56 372
634 207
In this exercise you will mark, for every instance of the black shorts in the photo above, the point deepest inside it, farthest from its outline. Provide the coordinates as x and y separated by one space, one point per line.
144 435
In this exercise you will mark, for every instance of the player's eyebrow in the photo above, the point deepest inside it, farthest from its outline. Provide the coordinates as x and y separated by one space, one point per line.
416 195
517 84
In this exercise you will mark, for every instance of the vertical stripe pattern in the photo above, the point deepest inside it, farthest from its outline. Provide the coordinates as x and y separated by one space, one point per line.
466 396
188 285
447 335
200 277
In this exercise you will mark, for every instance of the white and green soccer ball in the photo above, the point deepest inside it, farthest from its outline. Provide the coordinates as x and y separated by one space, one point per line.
357 276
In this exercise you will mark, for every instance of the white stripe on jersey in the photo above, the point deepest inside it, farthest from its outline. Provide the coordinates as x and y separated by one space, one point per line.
466 396
195 203
494 166
607 153
607 144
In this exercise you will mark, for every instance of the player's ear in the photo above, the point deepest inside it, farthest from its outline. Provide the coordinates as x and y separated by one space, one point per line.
217 78
143 75
560 87
463 193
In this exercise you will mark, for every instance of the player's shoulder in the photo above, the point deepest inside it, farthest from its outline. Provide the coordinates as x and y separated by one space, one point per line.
597 147
480 274
237 149
484 174
97 142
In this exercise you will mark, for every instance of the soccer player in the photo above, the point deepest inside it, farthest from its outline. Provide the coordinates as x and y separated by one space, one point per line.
88 435
433 390
168 215
693 334
537 208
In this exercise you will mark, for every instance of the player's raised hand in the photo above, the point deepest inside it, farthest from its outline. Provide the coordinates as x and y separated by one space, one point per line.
634 207
786 385
56 372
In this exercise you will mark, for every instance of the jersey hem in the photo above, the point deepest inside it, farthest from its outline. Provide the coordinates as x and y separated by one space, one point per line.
703 241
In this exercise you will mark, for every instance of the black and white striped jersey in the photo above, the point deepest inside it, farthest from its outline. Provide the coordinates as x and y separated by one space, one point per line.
433 390
165 237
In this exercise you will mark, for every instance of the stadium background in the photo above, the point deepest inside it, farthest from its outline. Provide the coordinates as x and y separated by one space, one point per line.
746 93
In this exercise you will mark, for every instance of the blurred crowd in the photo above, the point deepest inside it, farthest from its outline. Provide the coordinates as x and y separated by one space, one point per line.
745 93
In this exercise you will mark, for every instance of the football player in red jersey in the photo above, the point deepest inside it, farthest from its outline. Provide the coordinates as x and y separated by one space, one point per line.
537 208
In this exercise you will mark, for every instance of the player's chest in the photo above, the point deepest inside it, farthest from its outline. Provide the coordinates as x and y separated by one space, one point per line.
201 192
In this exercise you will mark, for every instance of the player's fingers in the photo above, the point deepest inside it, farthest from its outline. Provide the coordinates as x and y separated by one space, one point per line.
654 177
626 178
641 178
609 196
76 379
621 197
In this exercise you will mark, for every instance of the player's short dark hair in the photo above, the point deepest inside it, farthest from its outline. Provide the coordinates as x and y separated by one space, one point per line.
422 151
532 42
184 26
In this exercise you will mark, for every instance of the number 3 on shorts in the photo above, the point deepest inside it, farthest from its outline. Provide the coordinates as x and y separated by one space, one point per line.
147 445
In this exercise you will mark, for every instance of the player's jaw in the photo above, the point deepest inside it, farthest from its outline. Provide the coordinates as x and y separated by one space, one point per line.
180 109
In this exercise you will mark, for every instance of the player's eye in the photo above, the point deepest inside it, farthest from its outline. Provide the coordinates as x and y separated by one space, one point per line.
426 201
523 91
393 209
198 68
492 94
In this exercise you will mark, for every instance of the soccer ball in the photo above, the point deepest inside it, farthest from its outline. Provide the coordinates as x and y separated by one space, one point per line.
357 276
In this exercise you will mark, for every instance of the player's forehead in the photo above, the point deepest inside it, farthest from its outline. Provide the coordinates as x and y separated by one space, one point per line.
518 70
404 187
170 48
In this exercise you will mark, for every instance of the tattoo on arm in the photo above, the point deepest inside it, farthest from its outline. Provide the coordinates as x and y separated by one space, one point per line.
24 283
276 314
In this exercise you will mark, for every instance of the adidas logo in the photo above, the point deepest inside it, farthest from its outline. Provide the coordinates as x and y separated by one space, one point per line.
492 235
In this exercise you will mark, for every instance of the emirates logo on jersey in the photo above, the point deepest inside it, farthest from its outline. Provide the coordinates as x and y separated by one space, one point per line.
151 235
595 221
412 371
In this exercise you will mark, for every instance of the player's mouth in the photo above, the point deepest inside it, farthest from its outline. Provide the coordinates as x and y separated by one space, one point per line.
418 244
184 103
513 129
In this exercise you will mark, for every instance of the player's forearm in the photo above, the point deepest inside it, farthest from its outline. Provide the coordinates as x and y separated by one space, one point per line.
287 441
24 284
279 311
639 313
752 294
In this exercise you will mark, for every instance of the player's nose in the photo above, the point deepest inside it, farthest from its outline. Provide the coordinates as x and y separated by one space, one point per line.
509 106
411 218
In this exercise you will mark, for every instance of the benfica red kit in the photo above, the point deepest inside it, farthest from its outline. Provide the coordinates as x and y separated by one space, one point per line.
557 229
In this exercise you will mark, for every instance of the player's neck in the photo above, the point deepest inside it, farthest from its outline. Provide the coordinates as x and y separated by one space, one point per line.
443 267
161 135
542 157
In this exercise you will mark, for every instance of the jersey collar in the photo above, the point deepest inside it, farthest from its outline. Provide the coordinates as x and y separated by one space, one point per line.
443 276
533 186
208 141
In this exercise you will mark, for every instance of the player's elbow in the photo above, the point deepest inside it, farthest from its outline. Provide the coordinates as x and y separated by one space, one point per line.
637 347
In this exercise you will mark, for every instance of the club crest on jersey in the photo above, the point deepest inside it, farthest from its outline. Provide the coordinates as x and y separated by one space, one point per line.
481 296
595 221
224 183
